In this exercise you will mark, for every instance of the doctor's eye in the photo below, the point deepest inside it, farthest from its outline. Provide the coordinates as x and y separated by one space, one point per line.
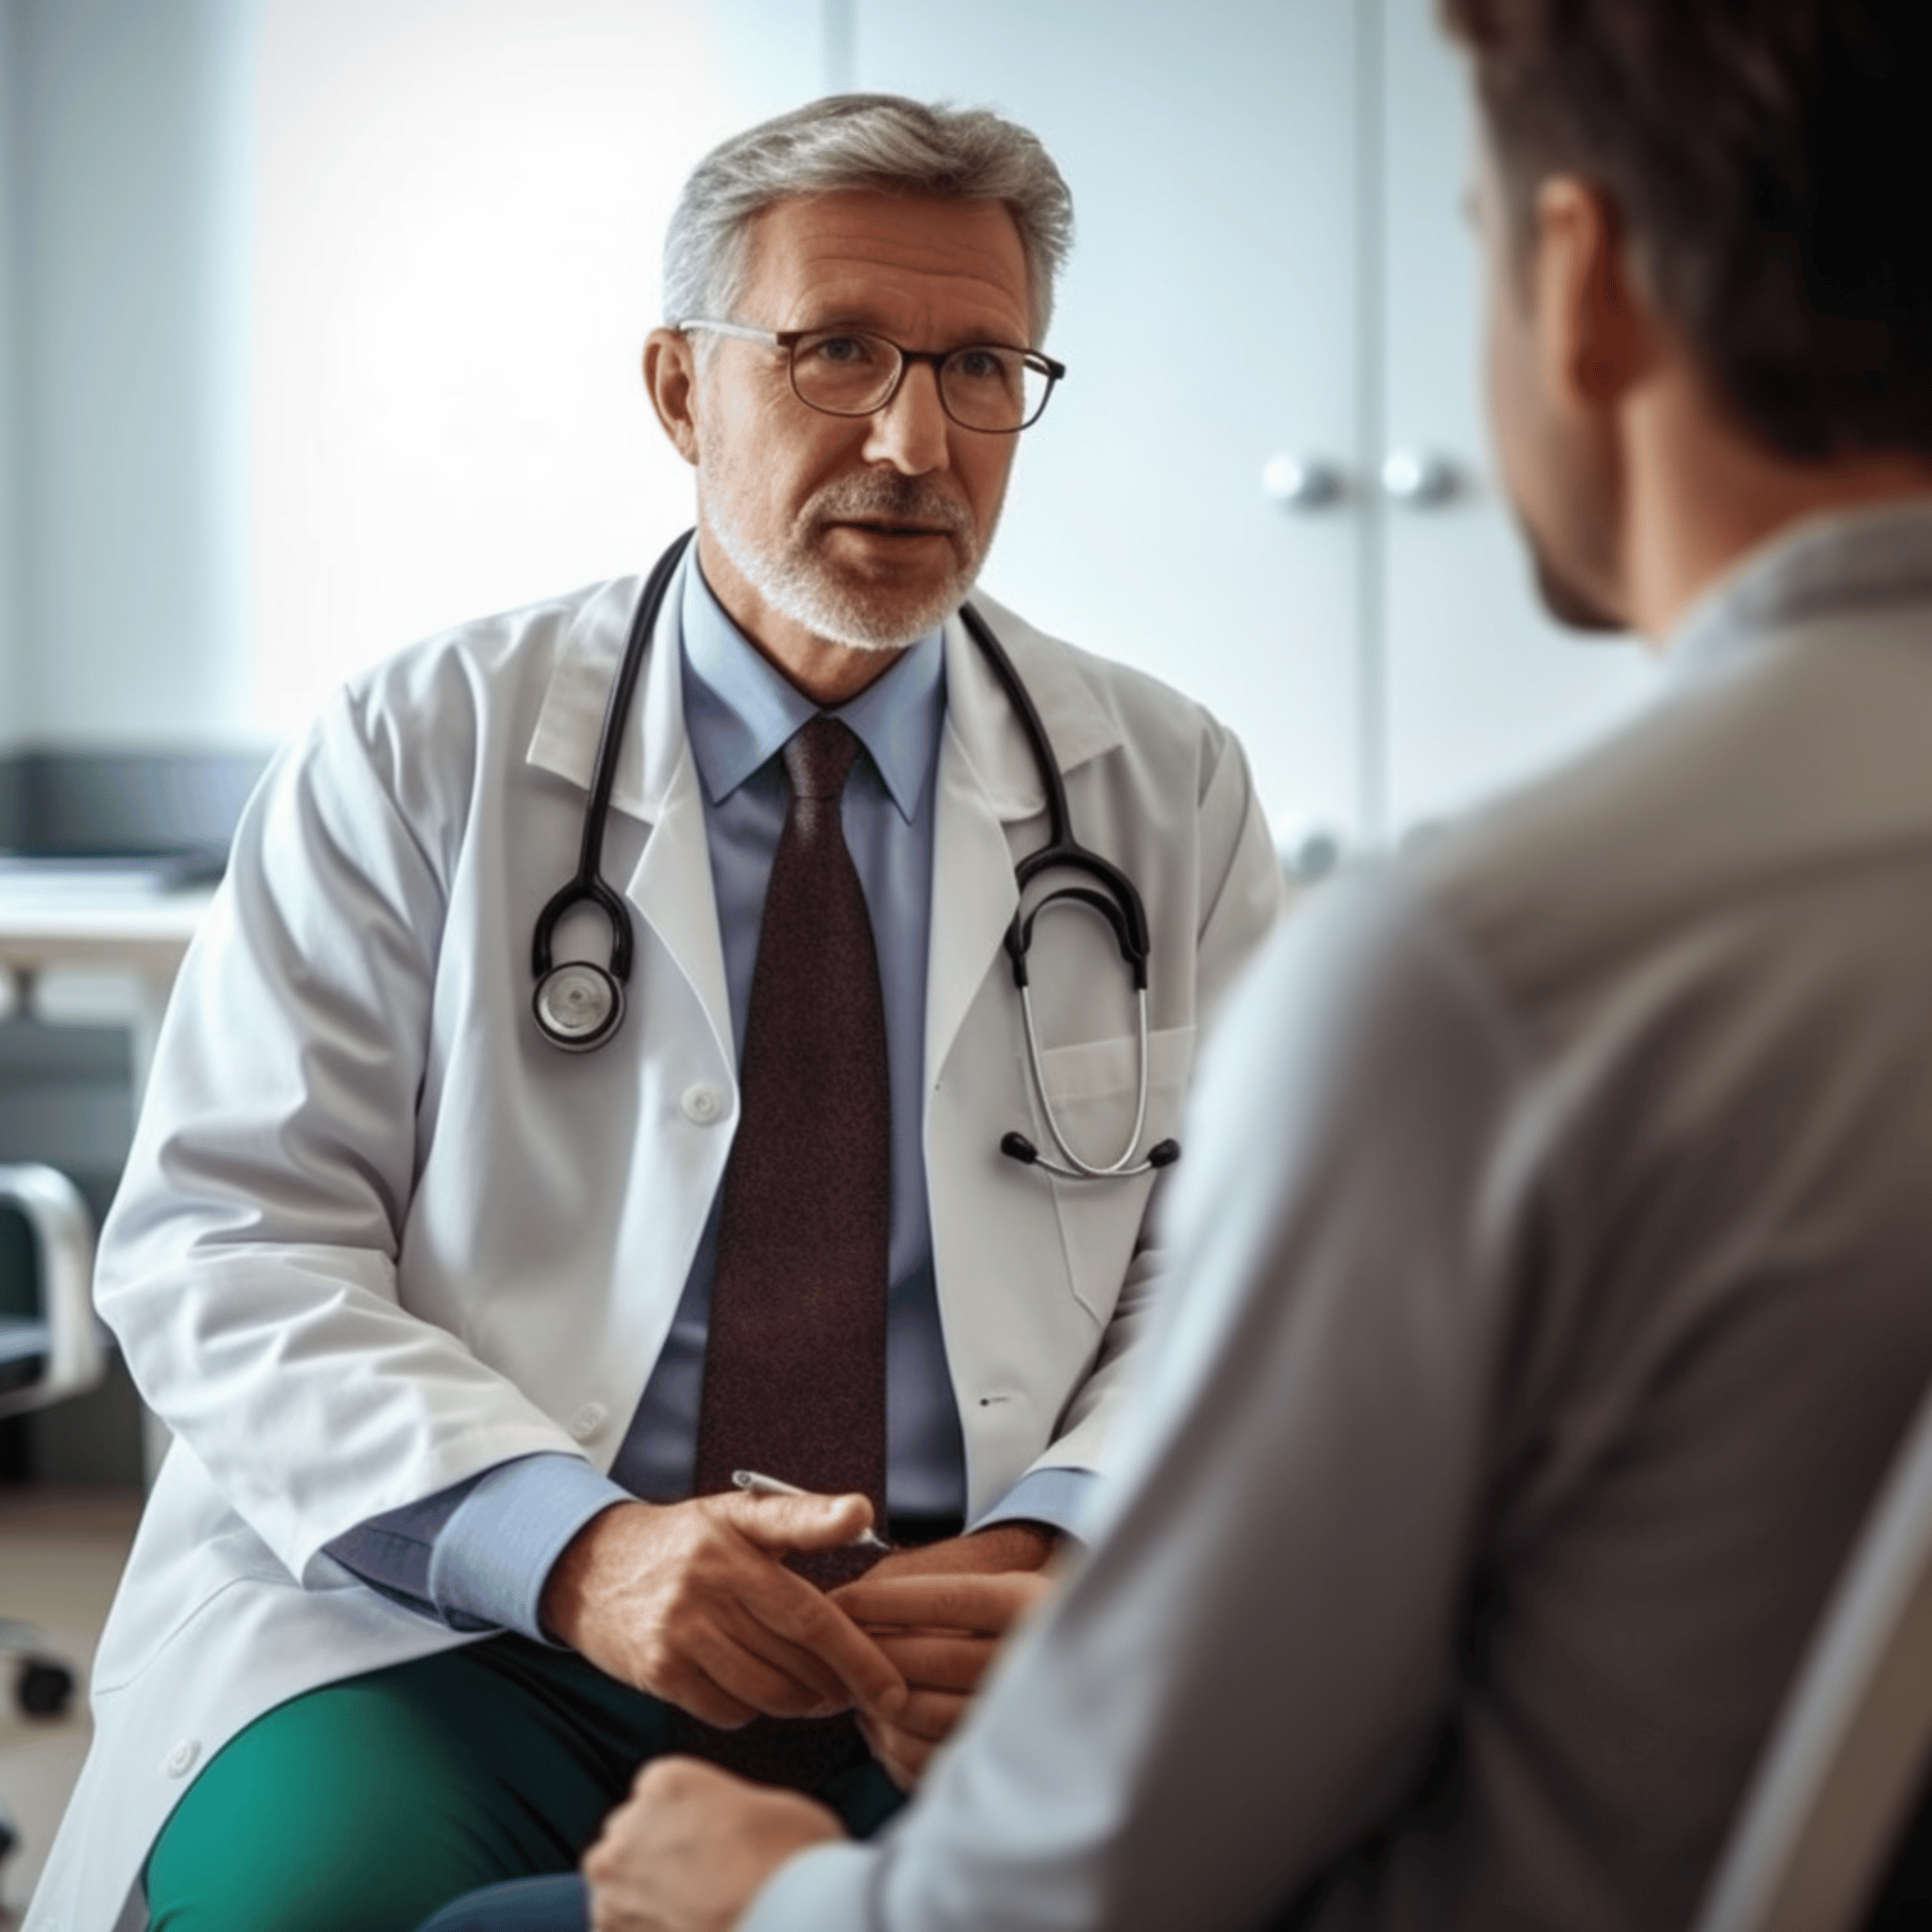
843 352
844 372
990 367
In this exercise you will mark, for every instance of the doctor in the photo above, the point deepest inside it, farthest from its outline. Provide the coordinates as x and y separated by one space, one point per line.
462 1333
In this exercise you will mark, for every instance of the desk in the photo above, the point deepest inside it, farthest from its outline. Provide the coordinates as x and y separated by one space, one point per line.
59 923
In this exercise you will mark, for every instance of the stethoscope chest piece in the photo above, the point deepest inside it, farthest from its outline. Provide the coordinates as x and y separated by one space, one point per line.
579 1006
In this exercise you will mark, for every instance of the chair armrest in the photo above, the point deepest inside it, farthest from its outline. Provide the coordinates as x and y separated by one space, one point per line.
63 1234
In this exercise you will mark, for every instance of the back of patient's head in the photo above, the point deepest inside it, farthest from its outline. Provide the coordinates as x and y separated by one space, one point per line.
1770 161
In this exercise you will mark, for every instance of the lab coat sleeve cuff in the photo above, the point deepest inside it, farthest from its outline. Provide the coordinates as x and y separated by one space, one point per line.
829 1885
495 1554
1063 1499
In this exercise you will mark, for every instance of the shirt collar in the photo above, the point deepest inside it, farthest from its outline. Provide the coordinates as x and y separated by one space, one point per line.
1836 564
741 711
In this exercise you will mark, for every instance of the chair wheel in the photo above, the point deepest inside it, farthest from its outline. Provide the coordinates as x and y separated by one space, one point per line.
43 1688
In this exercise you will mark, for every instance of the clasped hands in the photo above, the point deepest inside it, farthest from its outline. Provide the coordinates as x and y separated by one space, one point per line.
692 1602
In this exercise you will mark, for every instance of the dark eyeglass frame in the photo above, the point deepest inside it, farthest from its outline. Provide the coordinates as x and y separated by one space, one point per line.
788 340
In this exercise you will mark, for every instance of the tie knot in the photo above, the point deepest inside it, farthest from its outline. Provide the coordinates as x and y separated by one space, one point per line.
820 758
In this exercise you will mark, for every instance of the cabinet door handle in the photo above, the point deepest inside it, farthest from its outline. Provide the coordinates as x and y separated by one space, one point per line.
1418 478
1303 483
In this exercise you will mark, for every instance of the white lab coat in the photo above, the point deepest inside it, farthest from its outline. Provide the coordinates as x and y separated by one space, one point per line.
376 1235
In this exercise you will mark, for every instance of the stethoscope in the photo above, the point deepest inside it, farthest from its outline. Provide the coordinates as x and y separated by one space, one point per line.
580 1006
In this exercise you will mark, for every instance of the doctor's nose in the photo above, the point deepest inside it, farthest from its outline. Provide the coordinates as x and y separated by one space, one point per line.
912 432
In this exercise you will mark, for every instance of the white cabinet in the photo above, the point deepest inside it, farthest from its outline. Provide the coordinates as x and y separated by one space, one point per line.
1208 319
1478 686
1270 264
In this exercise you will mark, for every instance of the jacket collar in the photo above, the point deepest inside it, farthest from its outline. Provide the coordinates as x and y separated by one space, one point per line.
980 726
979 723
571 717
986 779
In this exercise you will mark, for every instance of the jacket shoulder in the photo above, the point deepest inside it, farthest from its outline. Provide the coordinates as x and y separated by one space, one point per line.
1144 710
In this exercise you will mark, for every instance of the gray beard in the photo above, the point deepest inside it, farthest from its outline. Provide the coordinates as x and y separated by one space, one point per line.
802 588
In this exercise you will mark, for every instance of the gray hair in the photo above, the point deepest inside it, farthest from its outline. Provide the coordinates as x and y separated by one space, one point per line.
864 143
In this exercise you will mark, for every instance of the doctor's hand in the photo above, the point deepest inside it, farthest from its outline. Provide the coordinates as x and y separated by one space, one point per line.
692 1847
692 1602
940 1613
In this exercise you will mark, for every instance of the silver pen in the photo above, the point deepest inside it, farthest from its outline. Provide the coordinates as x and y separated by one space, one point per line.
753 1484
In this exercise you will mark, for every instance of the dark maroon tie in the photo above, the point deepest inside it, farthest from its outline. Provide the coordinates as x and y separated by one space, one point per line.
795 1382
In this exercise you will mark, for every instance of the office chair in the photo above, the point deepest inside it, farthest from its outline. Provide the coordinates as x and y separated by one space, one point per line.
57 1348
46 1354
1820 1843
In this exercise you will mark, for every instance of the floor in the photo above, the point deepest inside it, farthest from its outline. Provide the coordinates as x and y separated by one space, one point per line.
62 1552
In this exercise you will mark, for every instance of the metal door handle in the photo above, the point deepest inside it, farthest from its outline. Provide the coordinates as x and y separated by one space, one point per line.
1303 482
1419 479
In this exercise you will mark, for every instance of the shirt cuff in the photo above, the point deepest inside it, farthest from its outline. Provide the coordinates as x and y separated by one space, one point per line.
828 1885
1062 1499
496 1553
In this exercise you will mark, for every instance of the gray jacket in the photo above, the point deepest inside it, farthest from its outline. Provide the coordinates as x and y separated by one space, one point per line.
1553 1281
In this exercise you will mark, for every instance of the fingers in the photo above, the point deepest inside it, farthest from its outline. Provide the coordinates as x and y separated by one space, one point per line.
798 1614
989 1606
927 1716
905 1746
692 1845
694 1643
772 1640
693 1690
681 1602
938 1661
901 1756
719 1674
785 1523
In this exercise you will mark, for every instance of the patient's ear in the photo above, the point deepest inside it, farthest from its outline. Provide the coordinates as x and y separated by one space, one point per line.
1594 325
670 378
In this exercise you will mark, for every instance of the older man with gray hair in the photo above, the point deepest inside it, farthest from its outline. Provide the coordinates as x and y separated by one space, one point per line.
558 1286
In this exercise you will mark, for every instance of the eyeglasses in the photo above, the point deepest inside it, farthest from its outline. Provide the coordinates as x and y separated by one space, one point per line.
850 372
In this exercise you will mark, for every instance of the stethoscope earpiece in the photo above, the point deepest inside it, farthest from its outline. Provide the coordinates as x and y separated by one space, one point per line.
1017 1147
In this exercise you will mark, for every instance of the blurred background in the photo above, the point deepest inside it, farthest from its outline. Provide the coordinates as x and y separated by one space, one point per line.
319 331
319 323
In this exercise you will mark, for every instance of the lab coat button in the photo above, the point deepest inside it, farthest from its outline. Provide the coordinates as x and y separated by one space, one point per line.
587 1422
703 1104
180 1760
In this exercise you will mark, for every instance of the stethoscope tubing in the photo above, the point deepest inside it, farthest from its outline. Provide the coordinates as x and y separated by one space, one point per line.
580 1006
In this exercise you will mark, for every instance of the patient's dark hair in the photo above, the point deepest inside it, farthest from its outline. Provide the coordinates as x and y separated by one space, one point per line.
1771 162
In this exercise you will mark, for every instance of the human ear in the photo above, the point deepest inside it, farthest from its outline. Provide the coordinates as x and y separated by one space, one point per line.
670 378
1593 323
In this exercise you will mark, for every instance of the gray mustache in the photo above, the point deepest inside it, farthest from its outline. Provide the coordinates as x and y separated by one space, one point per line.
892 497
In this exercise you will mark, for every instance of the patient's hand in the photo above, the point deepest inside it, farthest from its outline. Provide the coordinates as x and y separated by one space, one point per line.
940 1614
692 1847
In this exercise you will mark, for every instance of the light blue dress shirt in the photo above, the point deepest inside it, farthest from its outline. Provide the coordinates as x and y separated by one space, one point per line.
478 1555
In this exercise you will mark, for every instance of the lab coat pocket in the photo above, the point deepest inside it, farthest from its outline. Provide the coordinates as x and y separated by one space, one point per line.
1093 1089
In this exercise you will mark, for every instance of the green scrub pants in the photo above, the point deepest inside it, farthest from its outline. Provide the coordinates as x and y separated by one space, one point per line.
365 1805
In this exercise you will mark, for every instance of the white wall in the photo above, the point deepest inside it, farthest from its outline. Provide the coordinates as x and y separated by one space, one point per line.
1210 317
461 207
130 139
326 317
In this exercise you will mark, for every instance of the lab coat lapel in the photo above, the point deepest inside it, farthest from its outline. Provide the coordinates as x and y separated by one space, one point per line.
657 781
986 781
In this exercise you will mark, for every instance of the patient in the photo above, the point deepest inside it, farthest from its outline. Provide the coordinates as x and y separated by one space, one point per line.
1555 1210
